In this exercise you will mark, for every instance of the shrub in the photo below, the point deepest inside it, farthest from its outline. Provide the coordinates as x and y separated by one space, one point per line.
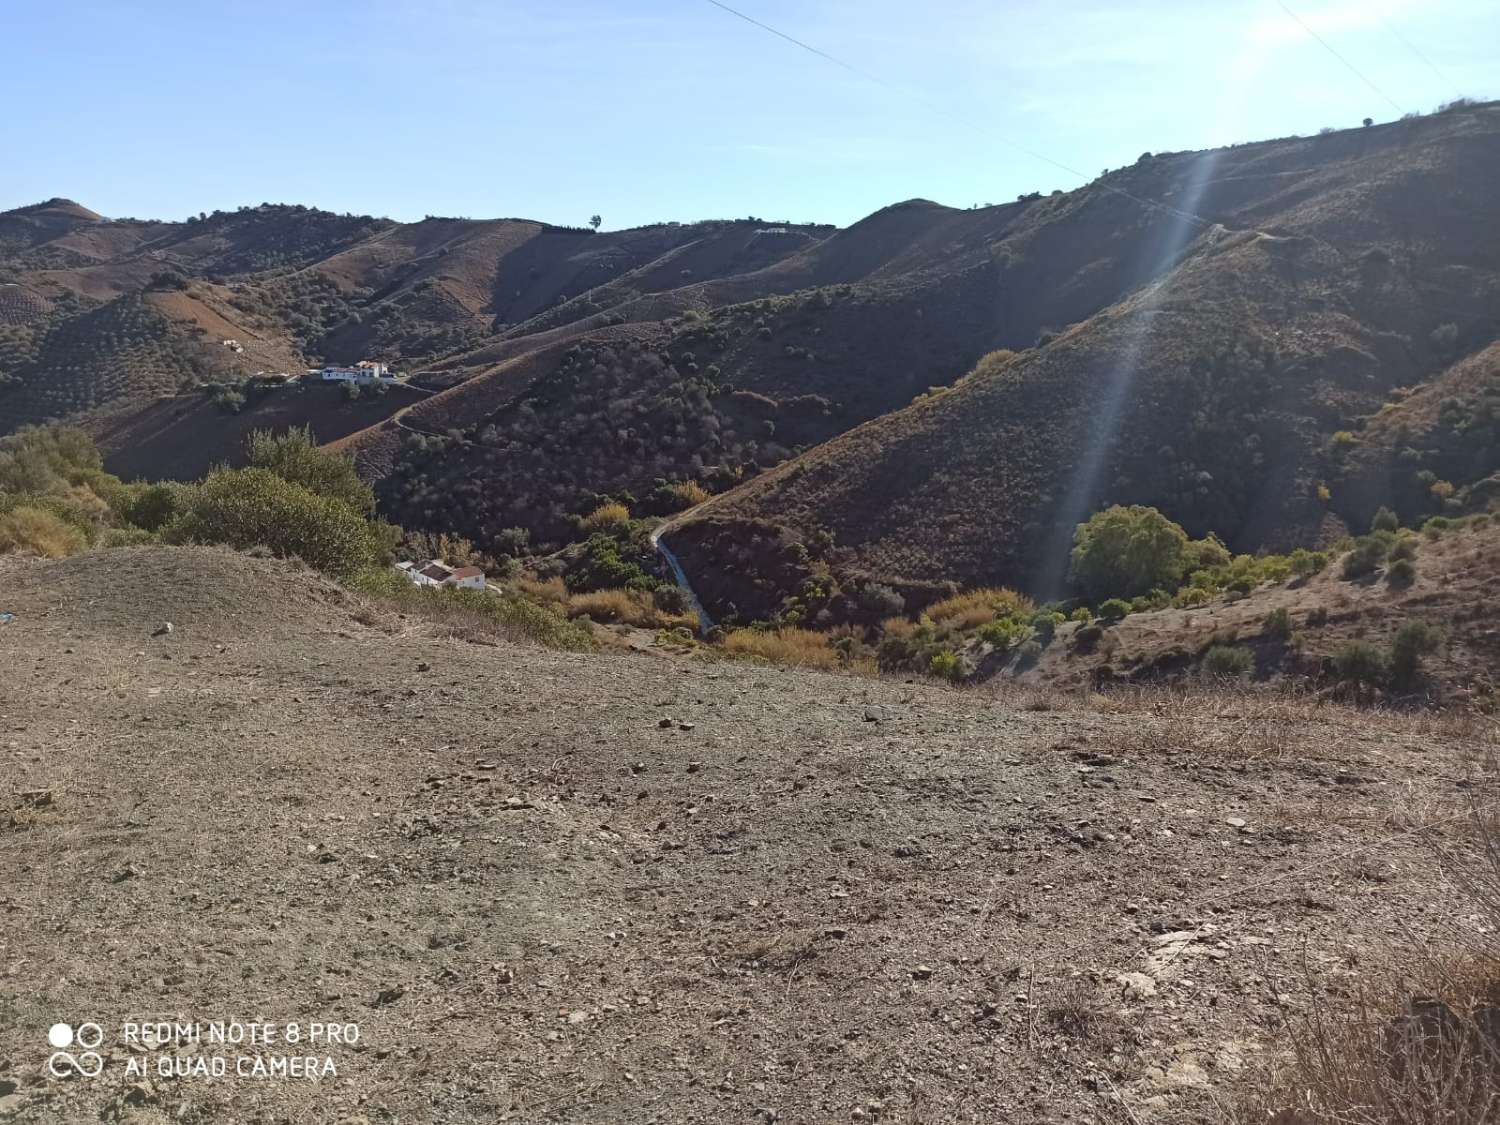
1045 624
294 456
1404 548
31 530
606 516
1029 653
1228 662
1402 572
1113 609
126 537
945 665
1005 633
602 567
1414 640
670 599
1368 553
787 645
1125 551
882 600
158 505
1278 624
1305 563
1082 615
1384 520
1087 635
629 607
968 610
246 508
1206 553
1360 663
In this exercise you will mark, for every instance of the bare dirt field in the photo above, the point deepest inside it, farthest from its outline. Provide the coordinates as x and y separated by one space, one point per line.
553 887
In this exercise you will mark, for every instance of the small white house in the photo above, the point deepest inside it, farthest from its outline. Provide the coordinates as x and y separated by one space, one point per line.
363 373
438 573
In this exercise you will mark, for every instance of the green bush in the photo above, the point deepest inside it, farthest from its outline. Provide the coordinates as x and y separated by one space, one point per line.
1228 662
1414 640
1384 520
1087 635
158 505
1113 609
1004 633
1368 553
946 665
1122 552
1404 548
246 508
1305 563
1360 663
1402 572
1278 624
294 456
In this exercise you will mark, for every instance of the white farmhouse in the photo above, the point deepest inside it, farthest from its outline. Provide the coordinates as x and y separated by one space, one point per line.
438 573
363 373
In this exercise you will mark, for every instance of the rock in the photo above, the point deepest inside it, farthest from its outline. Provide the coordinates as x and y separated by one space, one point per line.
1235 822
1137 986
424 667
163 630
129 871
10 1105
921 972
664 724
685 726
694 767
578 1017
874 715
387 996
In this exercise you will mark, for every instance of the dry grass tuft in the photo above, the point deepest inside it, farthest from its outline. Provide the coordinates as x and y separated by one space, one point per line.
1427 1054
800 647
974 608
628 607
37 532
606 515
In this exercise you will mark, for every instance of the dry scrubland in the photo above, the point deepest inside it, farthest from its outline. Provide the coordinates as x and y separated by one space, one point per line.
579 887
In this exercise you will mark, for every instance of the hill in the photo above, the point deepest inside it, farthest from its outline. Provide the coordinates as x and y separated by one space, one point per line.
1265 341
1322 285
716 891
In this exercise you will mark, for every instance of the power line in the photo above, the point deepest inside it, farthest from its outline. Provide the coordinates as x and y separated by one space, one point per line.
964 121
1412 47
1329 48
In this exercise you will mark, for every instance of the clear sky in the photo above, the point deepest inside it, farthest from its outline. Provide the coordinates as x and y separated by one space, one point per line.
644 110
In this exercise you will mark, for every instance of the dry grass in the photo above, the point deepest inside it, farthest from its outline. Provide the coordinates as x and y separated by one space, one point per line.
550 591
35 531
969 610
802 648
1424 1053
606 515
690 493
628 607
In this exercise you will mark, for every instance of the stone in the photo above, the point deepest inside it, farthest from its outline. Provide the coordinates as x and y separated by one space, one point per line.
921 972
163 630
664 724
1235 822
1137 986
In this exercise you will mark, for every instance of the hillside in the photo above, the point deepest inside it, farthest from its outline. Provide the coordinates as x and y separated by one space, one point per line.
1328 284
715 891
1266 341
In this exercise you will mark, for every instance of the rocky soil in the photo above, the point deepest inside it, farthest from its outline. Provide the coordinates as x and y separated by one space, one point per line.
553 887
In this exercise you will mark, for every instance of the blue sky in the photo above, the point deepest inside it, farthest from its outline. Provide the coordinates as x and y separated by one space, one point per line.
674 109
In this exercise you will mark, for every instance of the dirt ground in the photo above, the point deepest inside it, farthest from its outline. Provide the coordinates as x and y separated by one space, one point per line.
553 887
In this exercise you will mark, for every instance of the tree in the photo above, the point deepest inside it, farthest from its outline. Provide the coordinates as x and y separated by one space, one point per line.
594 221
294 456
1123 552
1368 121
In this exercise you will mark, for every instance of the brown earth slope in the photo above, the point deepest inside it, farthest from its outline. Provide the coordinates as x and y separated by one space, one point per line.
1335 271
569 888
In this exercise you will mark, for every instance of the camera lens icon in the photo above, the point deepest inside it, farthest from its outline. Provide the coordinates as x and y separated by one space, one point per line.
87 1062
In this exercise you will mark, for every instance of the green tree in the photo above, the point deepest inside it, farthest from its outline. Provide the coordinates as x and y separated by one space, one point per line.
1127 551
254 507
294 456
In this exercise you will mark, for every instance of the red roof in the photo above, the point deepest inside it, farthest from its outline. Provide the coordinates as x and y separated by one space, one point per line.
468 572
